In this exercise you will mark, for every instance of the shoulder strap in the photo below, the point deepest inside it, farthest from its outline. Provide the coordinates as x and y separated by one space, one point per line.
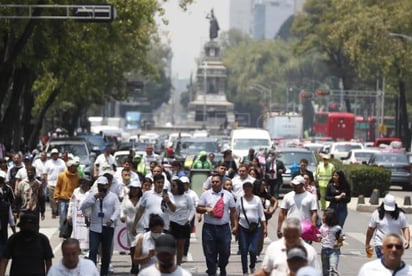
243 210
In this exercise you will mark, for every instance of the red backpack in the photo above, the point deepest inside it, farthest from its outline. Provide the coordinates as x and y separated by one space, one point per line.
219 207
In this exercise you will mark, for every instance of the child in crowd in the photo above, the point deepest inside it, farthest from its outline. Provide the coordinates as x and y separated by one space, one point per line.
331 237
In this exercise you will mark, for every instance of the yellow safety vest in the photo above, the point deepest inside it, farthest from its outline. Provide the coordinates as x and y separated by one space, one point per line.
323 174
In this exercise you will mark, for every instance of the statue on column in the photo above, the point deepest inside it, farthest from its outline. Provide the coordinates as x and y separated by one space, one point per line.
214 25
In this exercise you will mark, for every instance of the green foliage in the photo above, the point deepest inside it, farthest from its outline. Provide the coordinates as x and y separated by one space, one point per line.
364 179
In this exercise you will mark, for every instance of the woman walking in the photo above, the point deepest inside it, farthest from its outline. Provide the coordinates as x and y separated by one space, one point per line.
128 211
180 226
269 204
338 193
252 226
387 218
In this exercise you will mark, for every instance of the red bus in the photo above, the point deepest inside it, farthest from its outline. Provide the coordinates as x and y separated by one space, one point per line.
370 129
337 125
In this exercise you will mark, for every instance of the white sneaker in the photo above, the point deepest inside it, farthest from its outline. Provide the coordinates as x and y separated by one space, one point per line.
184 259
111 269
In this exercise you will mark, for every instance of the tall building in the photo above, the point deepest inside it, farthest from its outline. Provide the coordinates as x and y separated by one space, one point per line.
261 19
240 16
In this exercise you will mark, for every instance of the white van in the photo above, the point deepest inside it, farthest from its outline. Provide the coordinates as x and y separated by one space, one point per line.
243 139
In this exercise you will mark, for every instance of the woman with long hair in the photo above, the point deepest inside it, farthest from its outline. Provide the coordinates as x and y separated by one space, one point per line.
387 218
338 193
180 219
128 211
269 204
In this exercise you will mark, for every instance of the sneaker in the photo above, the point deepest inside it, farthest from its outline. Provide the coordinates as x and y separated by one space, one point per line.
252 270
111 269
184 259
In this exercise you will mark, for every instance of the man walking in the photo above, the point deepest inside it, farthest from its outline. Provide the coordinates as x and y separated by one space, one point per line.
105 207
65 185
54 166
274 170
71 264
29 250
298 203
216 204
391 262
324 172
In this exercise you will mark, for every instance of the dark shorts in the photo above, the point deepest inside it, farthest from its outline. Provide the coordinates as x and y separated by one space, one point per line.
180 231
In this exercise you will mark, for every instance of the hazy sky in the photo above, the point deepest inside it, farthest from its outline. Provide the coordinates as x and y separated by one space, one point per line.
188 31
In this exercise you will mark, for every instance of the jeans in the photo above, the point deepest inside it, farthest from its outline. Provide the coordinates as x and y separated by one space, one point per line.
378 250
341 212
63 208
249 244
106 239
53 204
274 186
330 259
216 243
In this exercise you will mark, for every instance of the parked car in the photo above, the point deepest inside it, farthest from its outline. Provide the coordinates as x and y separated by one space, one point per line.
291 157
359 156
397 163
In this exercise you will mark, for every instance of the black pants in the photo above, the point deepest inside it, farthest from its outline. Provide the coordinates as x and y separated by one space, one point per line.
274 186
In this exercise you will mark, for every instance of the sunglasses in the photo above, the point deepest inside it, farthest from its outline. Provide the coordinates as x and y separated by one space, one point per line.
391 245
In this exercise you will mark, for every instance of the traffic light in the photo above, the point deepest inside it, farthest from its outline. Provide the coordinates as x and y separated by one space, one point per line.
322 92
305 95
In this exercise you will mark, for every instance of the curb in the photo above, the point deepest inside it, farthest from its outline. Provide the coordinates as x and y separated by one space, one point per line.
370 208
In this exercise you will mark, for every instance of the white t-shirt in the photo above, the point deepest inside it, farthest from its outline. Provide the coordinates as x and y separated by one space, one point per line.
329 235
387 225
152 202
40 167
275 261
299 205
237 184
185 209
53 169
153 271
84 267
21 173
253 210
376 268
104 163
193 195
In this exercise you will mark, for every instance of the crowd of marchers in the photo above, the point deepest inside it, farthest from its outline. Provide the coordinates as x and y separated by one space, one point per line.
153 197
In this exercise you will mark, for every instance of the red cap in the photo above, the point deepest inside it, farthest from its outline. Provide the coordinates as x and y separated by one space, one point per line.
149 147
169 150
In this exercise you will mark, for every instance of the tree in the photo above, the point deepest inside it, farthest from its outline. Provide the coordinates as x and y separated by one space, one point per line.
61 68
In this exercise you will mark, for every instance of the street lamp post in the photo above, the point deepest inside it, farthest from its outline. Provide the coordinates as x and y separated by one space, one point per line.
266 90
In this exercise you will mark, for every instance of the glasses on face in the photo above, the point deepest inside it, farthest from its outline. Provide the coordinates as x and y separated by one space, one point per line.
396 245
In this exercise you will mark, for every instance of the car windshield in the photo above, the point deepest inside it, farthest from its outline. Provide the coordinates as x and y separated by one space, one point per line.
290 157
346 148
193 147
363 155
245 144
79 150
392 158
119 159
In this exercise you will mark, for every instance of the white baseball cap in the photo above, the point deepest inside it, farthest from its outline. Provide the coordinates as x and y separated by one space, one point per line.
185 179
102 180
135 184
389 203
298 180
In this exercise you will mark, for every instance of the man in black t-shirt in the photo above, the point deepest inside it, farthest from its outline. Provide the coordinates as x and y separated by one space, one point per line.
29 250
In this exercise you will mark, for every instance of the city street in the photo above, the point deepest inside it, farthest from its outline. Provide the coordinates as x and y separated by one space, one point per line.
353 255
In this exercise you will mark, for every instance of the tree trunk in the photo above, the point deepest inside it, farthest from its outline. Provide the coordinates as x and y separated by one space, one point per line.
39 120
405 132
